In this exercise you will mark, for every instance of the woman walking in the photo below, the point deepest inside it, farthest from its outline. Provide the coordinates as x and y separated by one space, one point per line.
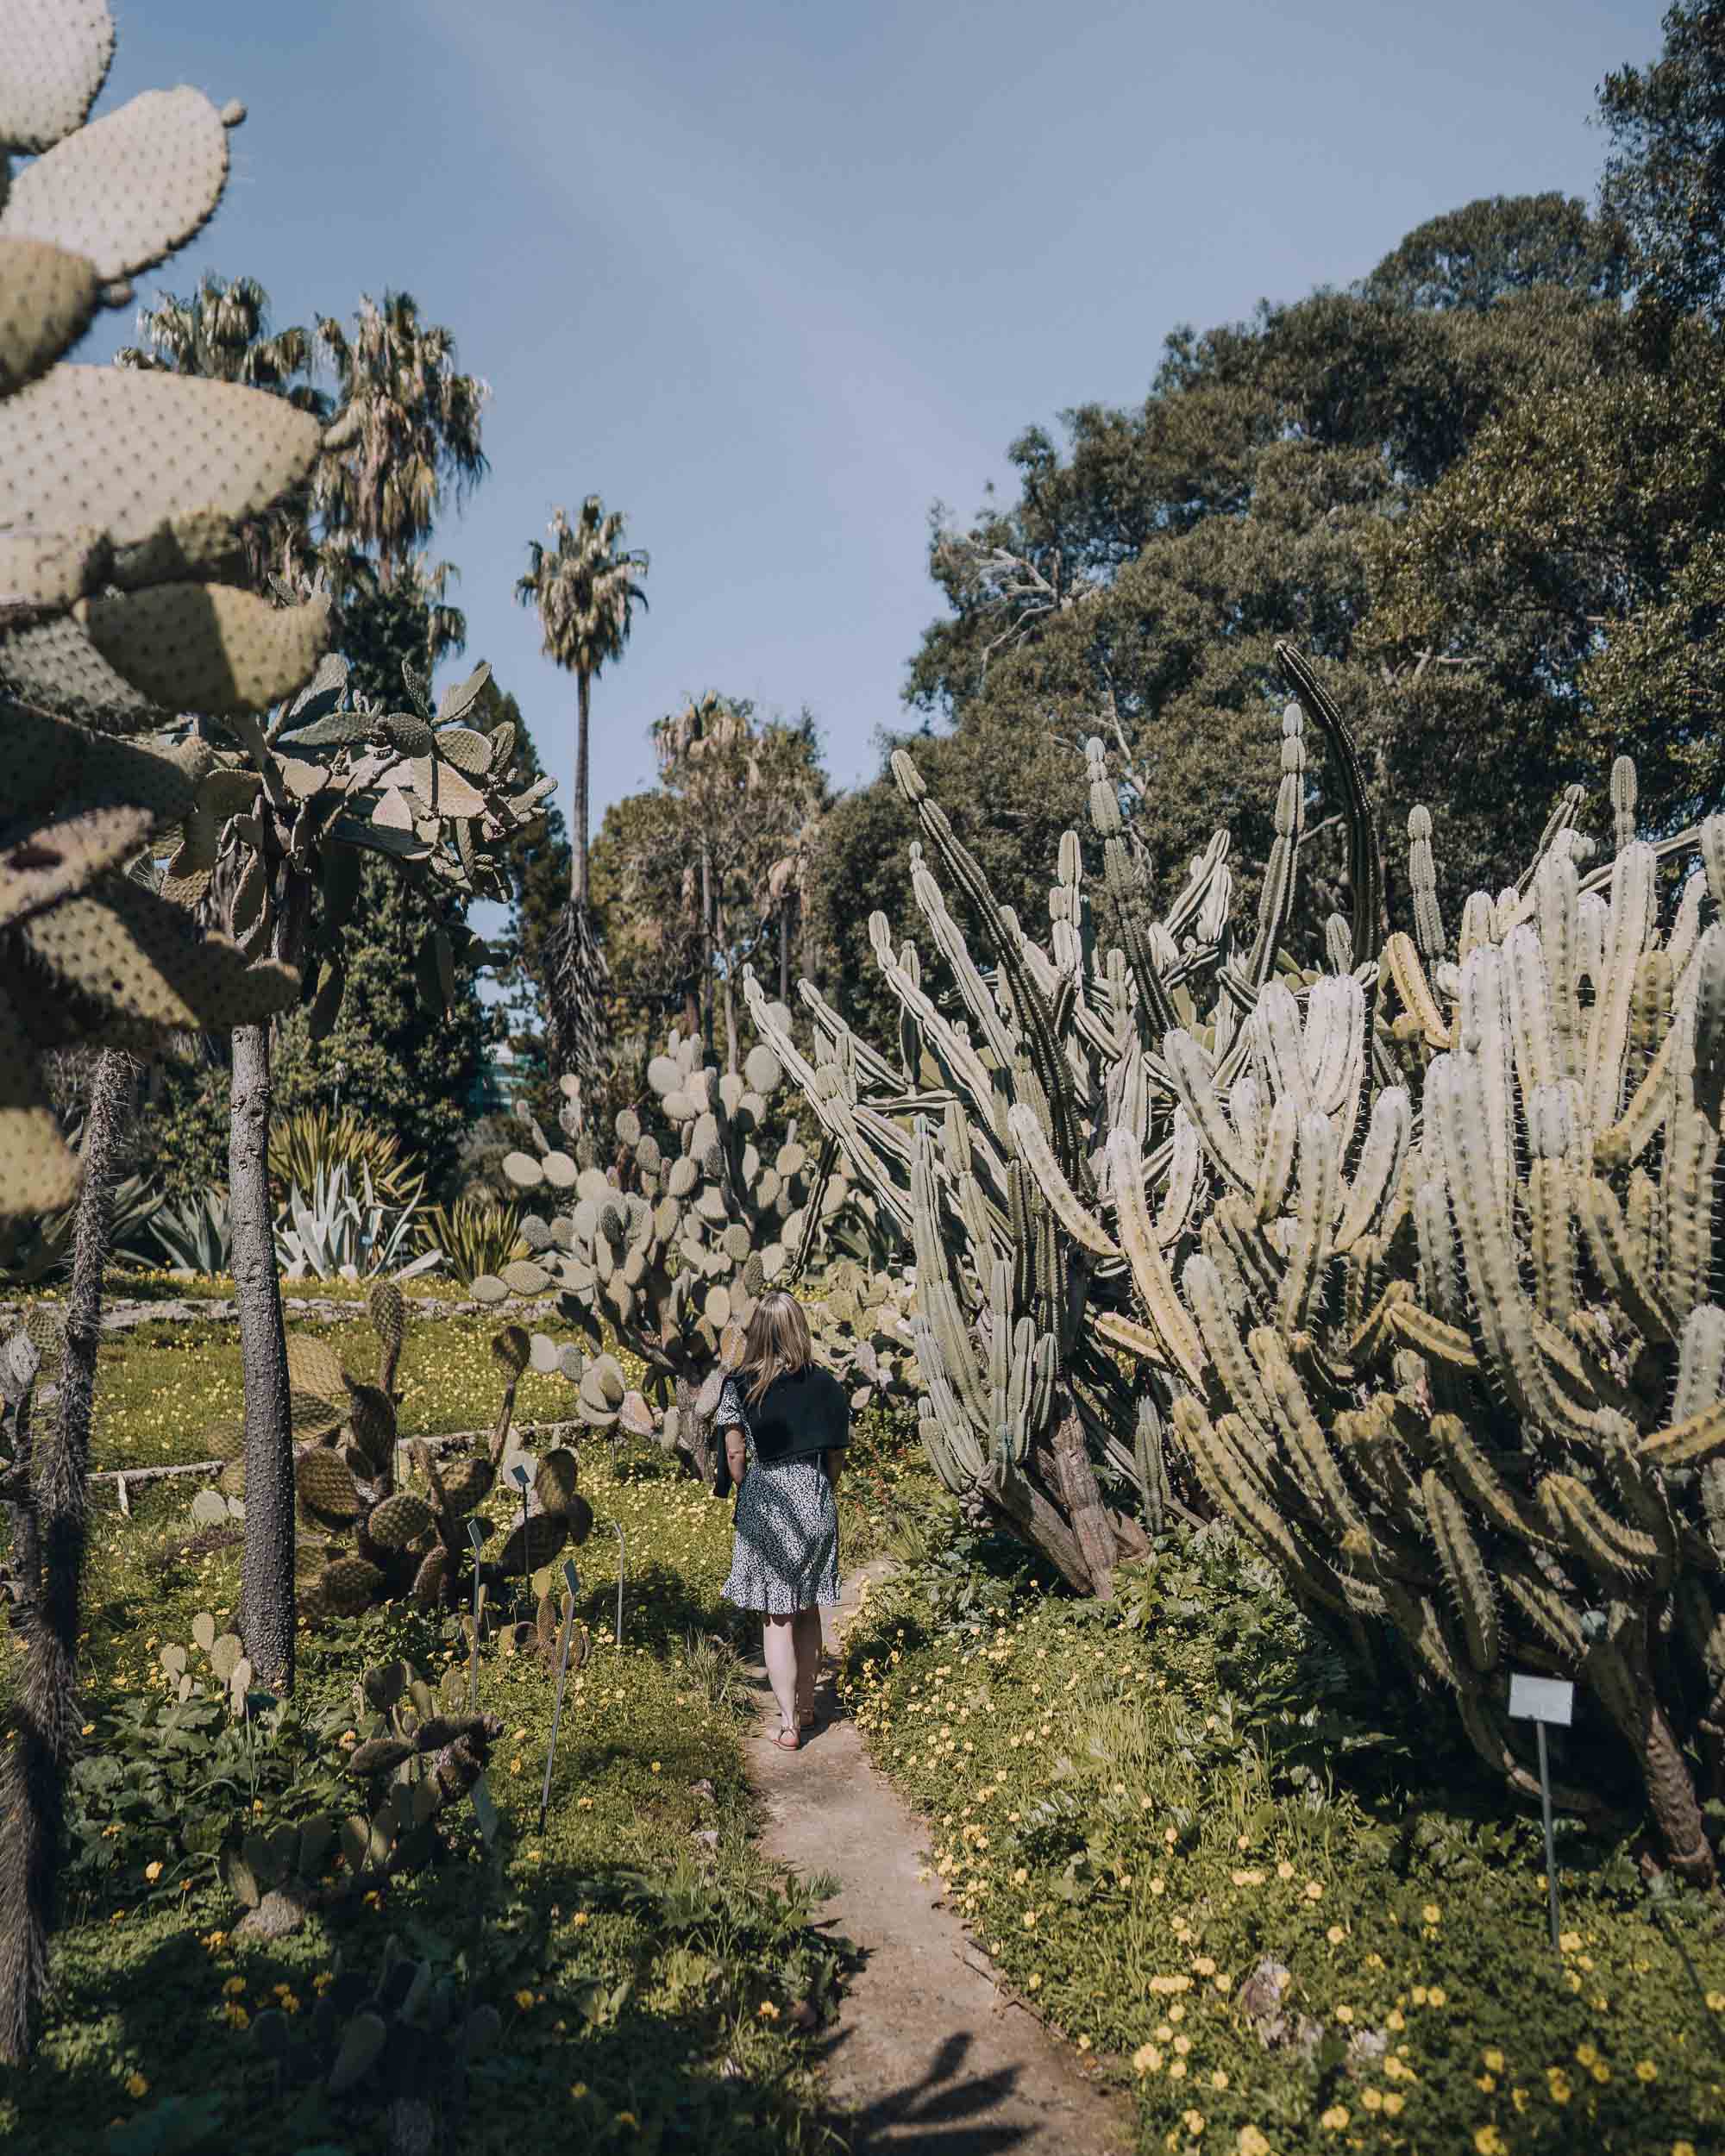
785 1422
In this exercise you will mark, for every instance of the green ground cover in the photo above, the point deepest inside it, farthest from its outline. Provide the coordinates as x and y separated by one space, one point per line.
1188 1837
656 1982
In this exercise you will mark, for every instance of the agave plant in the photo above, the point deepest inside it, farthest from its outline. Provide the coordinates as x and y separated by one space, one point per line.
307 1143
197 1236
341 1232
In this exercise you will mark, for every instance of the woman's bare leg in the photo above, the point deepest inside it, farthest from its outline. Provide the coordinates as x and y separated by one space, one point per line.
779 1650
806 1630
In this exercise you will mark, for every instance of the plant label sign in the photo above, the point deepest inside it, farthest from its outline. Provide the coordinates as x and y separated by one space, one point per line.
1541 1699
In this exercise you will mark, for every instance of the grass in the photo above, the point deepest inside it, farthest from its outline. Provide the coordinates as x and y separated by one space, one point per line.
1193 1844
652 1972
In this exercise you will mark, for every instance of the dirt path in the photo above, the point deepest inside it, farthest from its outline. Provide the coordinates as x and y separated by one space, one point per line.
928 2055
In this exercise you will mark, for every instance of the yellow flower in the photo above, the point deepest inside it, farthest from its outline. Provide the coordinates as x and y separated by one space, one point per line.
1682 2148
1315 1891
152 1871
1253 2143
1494 2059
1285 1870
1204 1965
1335 1935
767 2010
1335 2118
1646 2070
1715 2001
1393 2102
234 1988
1436 1996
1032 1982
1344 2014
1083 2043
1372 2099
1585 2054
1395 2018
235 2015
653 1769
1182 2045
1488 2141
1558 2085
1219 2079
136 2086
524 1999
1146 2059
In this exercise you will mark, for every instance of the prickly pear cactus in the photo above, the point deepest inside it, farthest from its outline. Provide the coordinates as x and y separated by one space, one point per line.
669 1247
283 816
116 523
862 1324
401 2044
367 1534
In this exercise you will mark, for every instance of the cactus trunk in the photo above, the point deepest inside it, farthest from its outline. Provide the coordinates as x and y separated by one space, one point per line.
32 1794
266 1598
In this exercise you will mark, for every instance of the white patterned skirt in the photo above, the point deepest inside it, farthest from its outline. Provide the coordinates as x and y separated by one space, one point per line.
785 1556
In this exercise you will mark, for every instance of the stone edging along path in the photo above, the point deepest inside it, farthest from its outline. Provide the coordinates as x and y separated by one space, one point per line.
123 1314
928 2053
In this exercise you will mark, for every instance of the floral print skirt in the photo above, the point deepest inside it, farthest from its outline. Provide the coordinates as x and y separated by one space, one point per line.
785 1556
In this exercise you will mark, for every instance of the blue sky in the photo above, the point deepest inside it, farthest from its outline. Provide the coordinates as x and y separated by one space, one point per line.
772 277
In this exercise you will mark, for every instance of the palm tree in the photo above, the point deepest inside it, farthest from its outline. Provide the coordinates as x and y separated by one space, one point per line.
416 425
221 333
585 587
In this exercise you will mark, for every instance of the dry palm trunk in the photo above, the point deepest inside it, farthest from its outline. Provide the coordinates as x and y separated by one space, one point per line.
32 1789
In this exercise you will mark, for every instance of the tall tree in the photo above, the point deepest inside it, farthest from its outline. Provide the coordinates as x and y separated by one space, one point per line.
584 587
416 422
696 873
223 333
1135 584
1664 177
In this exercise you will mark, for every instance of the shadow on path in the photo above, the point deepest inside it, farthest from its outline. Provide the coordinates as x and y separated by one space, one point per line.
927 2054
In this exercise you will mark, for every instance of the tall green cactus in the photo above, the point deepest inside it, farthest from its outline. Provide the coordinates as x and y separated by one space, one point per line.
1472 1392
669 1247
993 1141
1409 1255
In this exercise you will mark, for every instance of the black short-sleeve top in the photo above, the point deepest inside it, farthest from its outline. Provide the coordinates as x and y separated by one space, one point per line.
799 1416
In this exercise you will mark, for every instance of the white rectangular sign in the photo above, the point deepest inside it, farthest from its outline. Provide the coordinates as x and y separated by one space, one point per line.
1541 1699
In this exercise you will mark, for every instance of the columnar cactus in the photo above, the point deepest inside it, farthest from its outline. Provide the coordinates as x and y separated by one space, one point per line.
986 1138
1472 1390
1414 1252
116 523
670 1248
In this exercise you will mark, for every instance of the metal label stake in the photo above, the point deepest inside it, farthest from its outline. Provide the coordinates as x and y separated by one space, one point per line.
575 1586
476 1537
1540 1700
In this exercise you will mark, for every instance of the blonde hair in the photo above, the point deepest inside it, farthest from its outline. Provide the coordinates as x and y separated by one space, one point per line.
777 1343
